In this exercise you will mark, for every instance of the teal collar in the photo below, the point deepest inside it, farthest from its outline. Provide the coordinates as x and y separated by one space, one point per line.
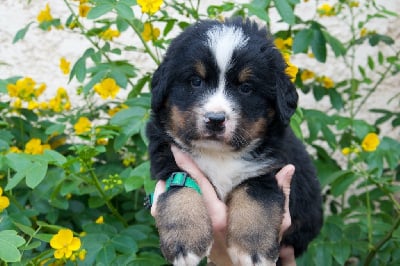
182 179
176 179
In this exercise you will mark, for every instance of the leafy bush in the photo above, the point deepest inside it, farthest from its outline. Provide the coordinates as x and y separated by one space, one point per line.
73 177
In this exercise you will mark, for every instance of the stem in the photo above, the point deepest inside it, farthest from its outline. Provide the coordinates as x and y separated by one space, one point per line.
373 89
381 242
369 221
146 46
109 205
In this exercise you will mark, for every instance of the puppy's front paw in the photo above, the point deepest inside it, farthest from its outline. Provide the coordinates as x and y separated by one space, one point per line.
184 227
253 229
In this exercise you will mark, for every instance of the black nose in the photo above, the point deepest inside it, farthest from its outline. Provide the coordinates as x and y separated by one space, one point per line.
215 121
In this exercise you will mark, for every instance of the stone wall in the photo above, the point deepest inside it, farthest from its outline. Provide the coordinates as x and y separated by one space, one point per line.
38 54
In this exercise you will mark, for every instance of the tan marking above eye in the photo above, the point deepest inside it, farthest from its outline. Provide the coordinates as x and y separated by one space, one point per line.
245 74
200 69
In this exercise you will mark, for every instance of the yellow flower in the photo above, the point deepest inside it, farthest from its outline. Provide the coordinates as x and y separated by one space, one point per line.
109 34
44 15
282 44
307 74
107 88
83 9
33 105
363 32
149 32
17 103
326 10
34 146
43 105
14 149
113 111
64 65
346 151
64 243
60 102
100 220
83 125
291 69
279 43
370 142
4 201
25 89
327 82
82 254
129 159
354 4
149 6
349 150
102 141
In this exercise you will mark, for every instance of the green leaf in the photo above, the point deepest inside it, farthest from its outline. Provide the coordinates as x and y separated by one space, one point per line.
302 40
99 10
342 183
124 11
169 26
285 11
36 174
9 243
79 69
380 58
124 244
318 45
26 229
336 99
258 8
139 86
137 176
341 252
21 33
131 121
54 157
55 129
106 255
122 25
295 123
371 63
323 256
336 175
337 47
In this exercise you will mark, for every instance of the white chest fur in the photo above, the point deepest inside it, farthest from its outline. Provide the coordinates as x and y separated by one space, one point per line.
227 170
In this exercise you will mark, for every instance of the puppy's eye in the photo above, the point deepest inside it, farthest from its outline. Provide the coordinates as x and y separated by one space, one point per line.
196 82
245 89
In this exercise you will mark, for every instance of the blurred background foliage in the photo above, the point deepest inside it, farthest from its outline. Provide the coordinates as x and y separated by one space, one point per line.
73 177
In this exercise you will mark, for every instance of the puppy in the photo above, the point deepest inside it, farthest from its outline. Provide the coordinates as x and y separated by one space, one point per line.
221 94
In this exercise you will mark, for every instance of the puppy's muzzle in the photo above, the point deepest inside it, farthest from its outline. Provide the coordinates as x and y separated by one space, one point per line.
215 121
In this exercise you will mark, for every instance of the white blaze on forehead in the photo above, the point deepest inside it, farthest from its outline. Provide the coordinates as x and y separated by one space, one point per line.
218 102
223 41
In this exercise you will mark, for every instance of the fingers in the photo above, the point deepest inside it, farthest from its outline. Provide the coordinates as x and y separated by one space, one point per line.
287 256
284 179
160 188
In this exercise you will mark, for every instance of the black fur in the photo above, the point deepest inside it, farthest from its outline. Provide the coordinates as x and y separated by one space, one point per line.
272 98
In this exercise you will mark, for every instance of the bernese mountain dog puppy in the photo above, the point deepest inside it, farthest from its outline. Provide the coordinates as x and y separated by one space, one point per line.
222 95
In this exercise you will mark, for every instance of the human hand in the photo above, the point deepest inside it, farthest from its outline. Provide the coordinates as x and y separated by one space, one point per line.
218 210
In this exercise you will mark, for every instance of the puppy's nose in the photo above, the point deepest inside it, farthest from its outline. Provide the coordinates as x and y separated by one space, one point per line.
215 121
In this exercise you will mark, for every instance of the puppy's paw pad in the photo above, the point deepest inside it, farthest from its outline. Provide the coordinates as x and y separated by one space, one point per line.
242 258
189 259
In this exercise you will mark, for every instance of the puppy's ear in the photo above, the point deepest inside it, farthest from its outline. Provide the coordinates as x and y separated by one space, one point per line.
159 86
286 98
